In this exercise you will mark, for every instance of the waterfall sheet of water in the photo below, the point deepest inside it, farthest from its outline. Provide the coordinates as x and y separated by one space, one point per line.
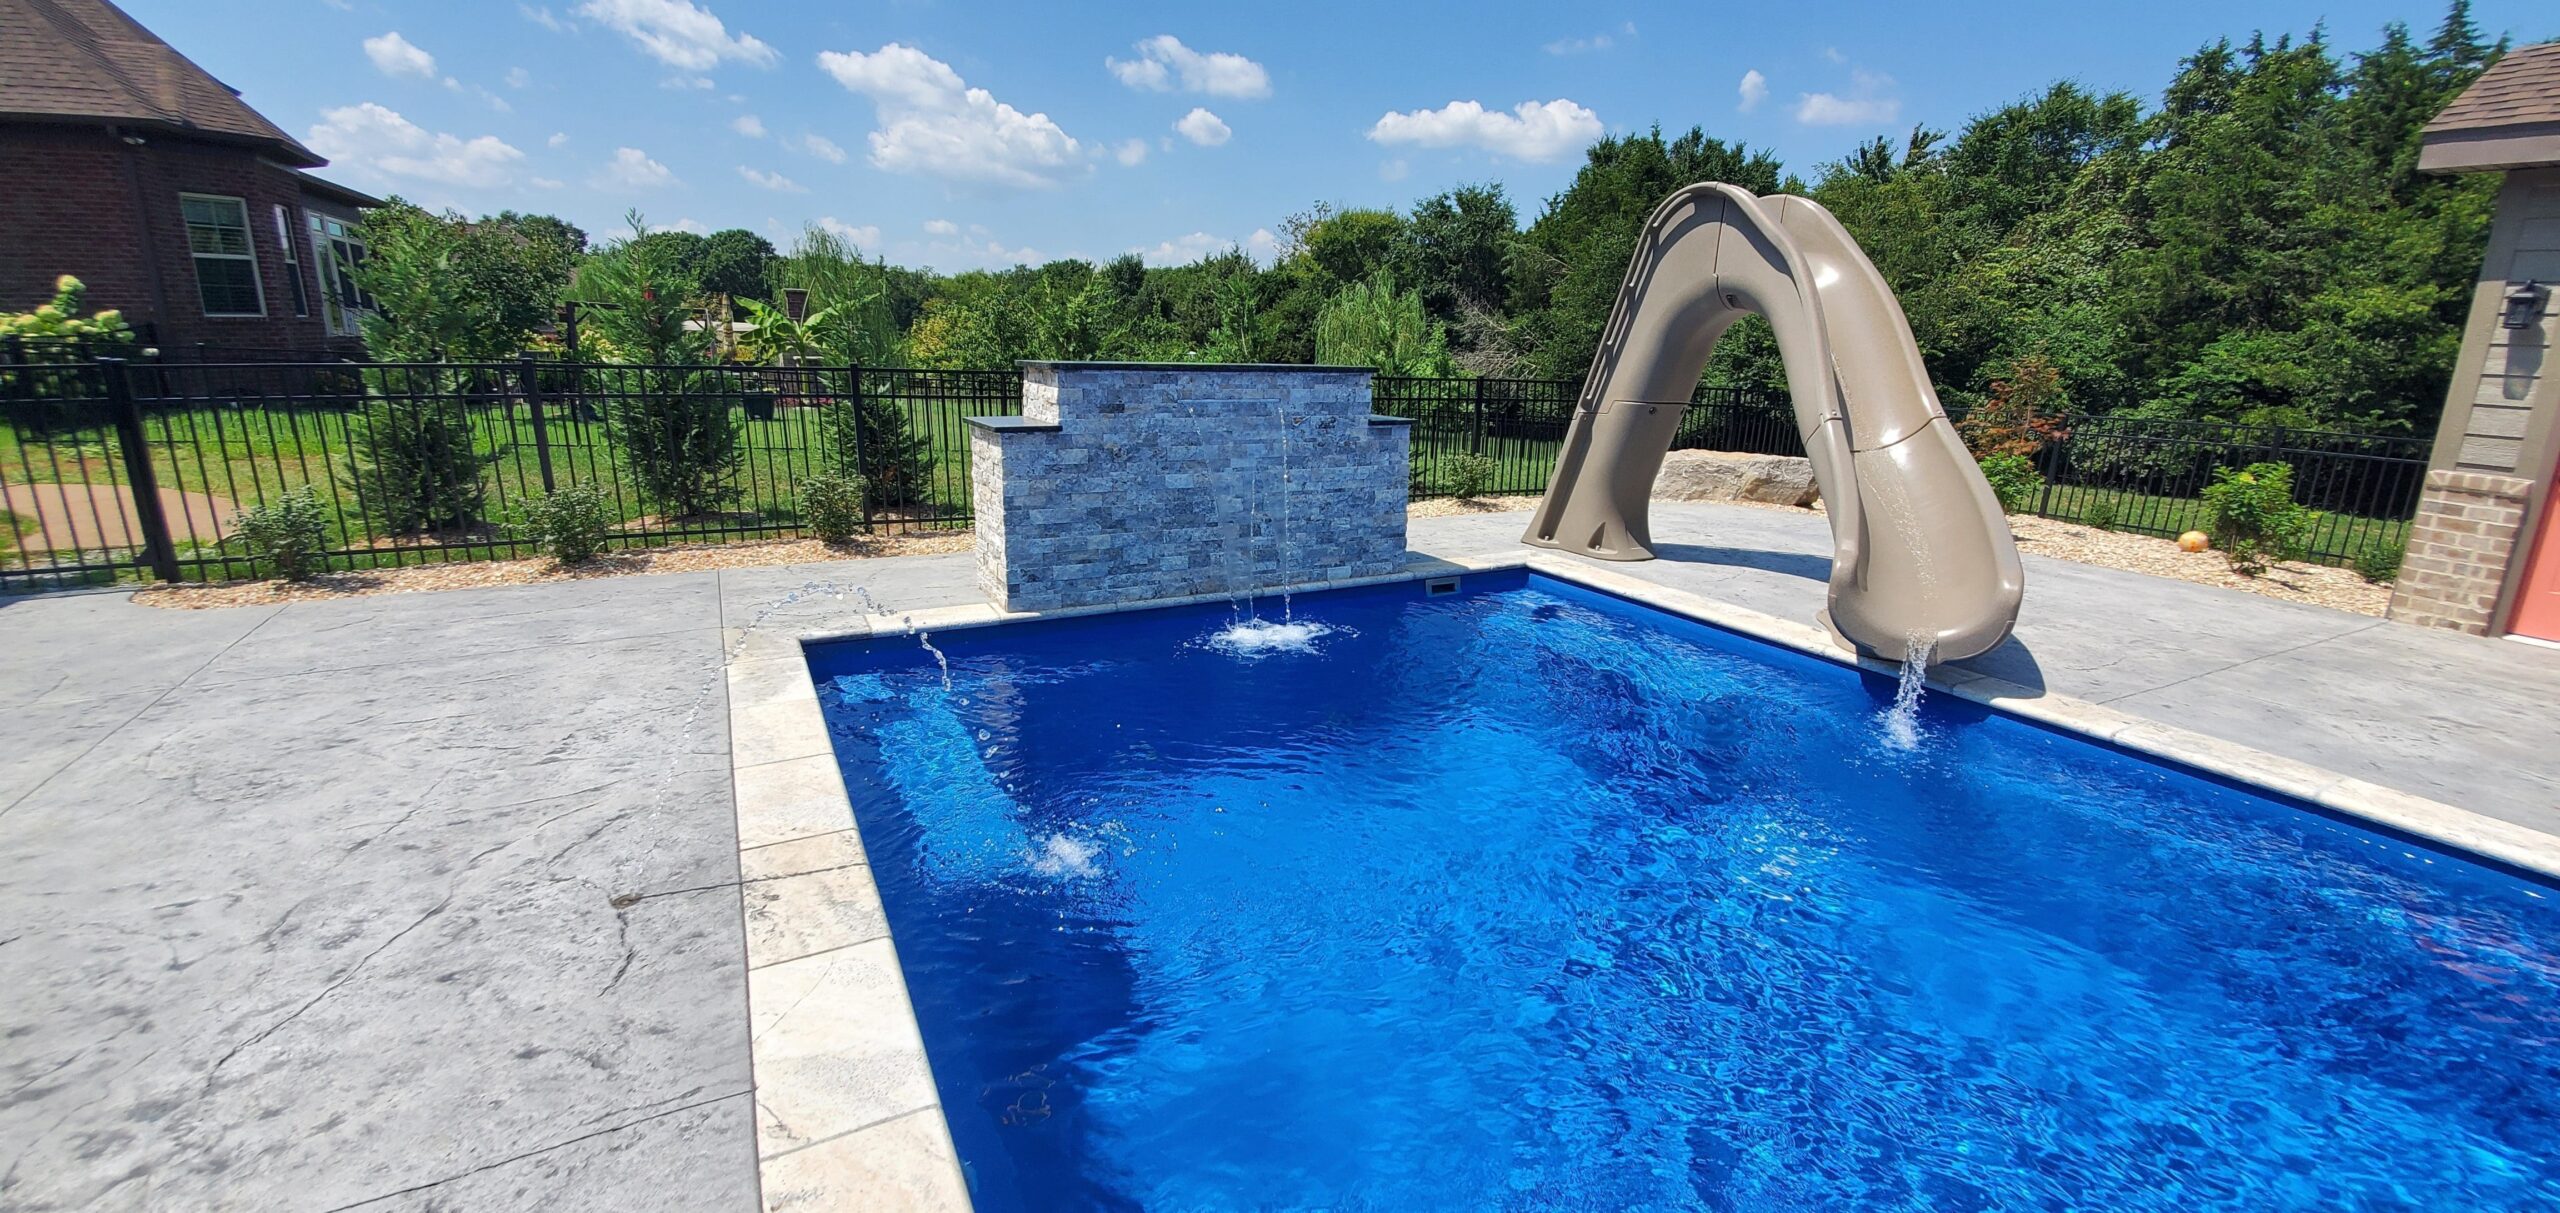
1901 722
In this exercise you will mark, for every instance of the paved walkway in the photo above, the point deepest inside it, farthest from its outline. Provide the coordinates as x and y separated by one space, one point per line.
430 901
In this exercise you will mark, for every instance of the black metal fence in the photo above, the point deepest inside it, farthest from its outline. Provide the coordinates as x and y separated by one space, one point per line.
2142 475
113 469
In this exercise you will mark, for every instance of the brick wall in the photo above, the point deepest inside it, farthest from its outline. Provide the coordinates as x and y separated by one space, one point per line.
1125 482
68 205
2459 548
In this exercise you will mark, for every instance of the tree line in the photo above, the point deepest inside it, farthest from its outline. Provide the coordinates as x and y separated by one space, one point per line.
2258 246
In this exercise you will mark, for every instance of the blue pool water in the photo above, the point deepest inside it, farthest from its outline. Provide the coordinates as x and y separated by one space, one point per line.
1529 898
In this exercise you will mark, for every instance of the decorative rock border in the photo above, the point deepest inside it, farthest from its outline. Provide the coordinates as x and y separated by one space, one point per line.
847 1116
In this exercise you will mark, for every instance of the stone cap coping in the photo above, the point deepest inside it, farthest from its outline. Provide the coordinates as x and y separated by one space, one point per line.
1211 367
1012 425
1383 419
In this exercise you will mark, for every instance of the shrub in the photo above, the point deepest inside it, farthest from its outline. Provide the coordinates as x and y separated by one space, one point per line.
1468 475
2379 565
2014 481
415 466
831 503
2255 520
871 439
288 534
679 439
2101 514
571 524
2021 414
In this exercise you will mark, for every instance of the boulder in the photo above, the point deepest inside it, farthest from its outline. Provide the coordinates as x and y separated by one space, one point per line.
1729 476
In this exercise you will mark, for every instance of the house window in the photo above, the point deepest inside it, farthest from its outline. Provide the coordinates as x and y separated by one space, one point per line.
226 259
339 251
292 261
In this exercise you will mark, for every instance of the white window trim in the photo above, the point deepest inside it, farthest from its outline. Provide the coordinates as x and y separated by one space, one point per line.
249 233
340 318
291 249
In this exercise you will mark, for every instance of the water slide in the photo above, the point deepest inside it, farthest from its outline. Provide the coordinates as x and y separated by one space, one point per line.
1921 552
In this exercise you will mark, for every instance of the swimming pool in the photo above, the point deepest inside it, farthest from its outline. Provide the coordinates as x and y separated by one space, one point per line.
1528 897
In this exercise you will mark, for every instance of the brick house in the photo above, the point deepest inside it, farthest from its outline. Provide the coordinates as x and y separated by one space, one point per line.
2484 551
126 165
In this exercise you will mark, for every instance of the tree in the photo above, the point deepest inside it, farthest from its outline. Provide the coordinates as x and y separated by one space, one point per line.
466 291
1374 325
731 263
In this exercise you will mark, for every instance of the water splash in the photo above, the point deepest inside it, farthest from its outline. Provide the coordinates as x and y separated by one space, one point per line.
1257 638
1901 722
926 639
1059 856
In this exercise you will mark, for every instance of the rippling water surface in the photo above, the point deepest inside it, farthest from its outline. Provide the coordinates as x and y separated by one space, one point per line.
1531 899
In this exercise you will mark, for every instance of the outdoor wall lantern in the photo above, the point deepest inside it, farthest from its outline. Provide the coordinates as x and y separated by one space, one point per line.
2524 305
795 303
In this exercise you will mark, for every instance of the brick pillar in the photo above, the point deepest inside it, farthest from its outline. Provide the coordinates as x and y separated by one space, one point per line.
2459 548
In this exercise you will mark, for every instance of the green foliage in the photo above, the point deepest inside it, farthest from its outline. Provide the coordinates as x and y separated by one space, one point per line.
831 506
572 524
416 467
2255 521
678 433
446 287
853 304
1468 475
289 534
887 457
1374 325
59 318
2014 480
647 295
2379 564
732 263
2101 514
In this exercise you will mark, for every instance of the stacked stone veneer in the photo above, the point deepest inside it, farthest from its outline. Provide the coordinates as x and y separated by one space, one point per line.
1122 482
2460 546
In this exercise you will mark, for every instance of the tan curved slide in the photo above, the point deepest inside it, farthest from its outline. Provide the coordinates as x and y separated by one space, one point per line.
1921 553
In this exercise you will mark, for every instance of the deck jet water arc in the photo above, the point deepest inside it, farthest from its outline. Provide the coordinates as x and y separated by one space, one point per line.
1921 552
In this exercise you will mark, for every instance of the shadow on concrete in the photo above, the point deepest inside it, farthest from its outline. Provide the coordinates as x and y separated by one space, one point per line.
2012 661
1792 564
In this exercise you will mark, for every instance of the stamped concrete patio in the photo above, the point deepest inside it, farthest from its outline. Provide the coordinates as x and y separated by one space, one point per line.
434 901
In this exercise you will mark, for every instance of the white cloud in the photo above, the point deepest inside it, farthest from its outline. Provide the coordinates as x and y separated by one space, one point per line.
545 18
518 77
394 55
1262 246
1833 54
1577 46
694 84
632 168
379 139
1183 250
1131 153
931 122
1165 64
1866 104
1533 130
748 125
866 236
695 226
1754 90
941 227
823 148
1202 127
558 139
1394 170
678 33
772 181
545 183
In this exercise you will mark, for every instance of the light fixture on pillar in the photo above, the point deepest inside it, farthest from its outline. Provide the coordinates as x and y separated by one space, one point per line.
2523 305
795 303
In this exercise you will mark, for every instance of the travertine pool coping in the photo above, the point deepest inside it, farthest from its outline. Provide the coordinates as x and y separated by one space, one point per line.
846 1111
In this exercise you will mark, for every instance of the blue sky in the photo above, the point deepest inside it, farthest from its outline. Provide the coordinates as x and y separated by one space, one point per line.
963 136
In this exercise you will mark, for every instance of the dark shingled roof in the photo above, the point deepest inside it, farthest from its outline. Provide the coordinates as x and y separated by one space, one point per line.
84 60
2521 89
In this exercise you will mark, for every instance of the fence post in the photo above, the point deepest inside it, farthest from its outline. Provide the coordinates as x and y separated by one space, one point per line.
853 383
1475 439
2052 471
533 405
158 549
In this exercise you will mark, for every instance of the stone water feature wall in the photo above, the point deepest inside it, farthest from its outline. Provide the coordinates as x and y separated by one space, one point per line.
1129 481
